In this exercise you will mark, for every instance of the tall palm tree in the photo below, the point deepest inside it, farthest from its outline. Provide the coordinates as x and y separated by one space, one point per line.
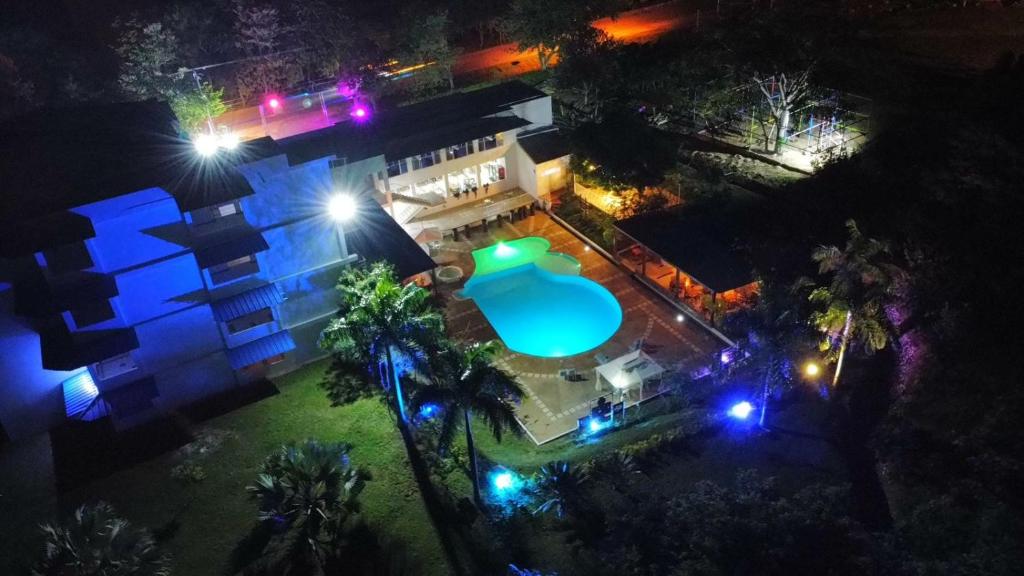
95 541
560 486
863 281
306 492
380 321
465 382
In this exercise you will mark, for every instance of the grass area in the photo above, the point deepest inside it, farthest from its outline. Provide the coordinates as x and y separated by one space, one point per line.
207 520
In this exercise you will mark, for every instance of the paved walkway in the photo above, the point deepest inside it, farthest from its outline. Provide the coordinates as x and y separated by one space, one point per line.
553 404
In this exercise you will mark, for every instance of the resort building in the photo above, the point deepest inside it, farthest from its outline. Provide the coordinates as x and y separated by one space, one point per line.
141 277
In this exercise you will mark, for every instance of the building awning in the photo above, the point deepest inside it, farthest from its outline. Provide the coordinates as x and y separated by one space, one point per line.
247 302
259 350
374 236
232 249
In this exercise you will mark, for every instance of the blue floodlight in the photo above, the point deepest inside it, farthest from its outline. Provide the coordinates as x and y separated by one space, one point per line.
428 411
741 410
502 481
725 357
594 425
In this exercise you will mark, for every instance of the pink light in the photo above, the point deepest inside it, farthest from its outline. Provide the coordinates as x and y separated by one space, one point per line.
360 113
274 102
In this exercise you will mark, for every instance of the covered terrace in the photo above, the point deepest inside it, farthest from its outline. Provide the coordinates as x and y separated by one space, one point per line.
693 254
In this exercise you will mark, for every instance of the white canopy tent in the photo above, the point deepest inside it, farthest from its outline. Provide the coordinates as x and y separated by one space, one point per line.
628 372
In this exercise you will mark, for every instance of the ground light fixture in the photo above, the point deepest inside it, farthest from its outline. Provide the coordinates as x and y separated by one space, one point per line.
504 250
741 410
680 318
273 102
812 370
341 207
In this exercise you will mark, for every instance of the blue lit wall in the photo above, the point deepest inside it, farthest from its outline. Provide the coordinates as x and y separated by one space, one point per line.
32 398
187 335
159 289
132 233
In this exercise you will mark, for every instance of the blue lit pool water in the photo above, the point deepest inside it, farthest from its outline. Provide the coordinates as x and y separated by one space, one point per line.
537 303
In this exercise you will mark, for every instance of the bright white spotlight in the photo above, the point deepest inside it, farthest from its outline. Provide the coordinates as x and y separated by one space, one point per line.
741 410
502 481
341 207
206 144
228 141
680 318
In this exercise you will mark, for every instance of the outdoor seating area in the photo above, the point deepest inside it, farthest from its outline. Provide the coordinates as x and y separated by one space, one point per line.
562 390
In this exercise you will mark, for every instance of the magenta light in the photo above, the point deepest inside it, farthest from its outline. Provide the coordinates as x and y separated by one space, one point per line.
360 113
274 102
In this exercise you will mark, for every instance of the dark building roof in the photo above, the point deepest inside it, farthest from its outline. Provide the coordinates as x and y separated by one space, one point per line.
227 309
63 350
230 249
384 133
545 146
374 236
260 349
54 159
451 135
703 241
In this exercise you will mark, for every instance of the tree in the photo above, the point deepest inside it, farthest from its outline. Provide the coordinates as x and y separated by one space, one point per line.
195 107
545 26
863 281
15 91
260 35
561 488
334 44
307 495
623 153
588 70
95 541
465 382
149 59
425 41
379 323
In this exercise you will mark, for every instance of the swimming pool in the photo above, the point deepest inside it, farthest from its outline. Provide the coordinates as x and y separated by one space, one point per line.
538 303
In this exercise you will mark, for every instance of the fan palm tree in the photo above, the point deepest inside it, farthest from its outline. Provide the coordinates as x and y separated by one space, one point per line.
465 382
380 322
97 542
306 493
853 303
560 487
618 469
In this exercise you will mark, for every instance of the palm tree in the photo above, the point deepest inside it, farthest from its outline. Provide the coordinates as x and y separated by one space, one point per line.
380 320
97 542
618 469
853 302
306 492
560 486
465 382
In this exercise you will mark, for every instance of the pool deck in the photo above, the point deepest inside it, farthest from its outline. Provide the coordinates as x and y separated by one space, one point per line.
553 405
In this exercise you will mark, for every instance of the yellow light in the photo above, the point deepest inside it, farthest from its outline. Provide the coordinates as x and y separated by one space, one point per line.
811 369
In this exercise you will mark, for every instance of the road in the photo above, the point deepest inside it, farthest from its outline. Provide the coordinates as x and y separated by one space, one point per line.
641 25
300 114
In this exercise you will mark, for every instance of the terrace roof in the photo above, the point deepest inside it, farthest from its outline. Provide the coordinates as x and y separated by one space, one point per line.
704 241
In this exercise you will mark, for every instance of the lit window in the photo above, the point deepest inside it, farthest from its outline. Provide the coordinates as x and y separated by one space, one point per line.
115 366
234 269
397 167
227 210
493 171
426 160
460 150
489 142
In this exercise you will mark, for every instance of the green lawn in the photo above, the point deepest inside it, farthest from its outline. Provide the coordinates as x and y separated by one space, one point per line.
210 518
220 515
